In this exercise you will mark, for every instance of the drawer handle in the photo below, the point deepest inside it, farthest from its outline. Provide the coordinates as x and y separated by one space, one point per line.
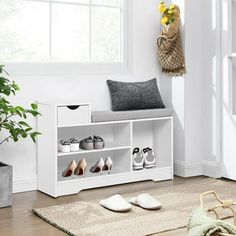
73 107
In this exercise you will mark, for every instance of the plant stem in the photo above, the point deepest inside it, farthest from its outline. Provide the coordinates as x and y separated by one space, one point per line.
6 118
4 140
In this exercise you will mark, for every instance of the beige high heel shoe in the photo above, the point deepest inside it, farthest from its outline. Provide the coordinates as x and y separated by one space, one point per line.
69 171
98 167
81 167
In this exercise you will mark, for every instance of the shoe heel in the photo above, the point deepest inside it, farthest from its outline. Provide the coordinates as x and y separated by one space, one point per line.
83 171
81 167
109 169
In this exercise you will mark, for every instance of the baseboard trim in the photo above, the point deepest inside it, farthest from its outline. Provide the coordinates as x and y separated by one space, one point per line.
207 168
211 169
187 169
24 184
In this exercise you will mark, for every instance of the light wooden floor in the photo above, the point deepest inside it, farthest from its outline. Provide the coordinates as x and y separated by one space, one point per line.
19 220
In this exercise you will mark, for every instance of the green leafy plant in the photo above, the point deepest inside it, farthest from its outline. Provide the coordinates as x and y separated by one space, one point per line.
13 118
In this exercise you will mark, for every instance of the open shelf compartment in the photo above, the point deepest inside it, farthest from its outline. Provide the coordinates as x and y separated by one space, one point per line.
116 136
120 158
155 134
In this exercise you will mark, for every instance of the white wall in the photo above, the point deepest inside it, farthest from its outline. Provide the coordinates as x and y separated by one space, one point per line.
212 88
185 94
144 65
193 82
191 97
174 95
196 98
209 121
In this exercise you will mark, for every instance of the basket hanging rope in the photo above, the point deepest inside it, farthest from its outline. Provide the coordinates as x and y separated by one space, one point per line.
170 50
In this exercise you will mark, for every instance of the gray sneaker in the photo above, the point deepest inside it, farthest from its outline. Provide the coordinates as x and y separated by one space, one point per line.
98 142
87 143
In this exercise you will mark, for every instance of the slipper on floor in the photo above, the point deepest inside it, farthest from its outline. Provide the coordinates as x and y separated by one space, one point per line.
146 201
116 203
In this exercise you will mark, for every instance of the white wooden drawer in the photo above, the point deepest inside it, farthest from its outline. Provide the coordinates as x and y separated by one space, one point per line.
73 115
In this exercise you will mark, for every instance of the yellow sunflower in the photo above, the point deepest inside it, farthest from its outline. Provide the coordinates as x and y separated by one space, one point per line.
162 8
172 7
164 20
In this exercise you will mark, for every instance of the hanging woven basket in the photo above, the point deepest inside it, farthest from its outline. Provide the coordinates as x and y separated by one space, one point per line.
170 50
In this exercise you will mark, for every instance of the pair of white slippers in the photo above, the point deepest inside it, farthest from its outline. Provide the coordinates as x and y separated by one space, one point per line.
118 204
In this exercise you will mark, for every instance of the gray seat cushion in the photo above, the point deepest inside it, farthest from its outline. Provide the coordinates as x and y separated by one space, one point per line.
103 116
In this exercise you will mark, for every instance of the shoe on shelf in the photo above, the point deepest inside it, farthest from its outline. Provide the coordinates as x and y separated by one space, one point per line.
149 158
146 201
108 165
74 145
138 160
64 146
98 167
98 142
69 171
87 143
81 167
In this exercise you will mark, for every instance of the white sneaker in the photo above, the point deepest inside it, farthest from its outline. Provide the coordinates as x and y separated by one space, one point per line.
138 159
146 201
116 203
149 158
64 146
74 145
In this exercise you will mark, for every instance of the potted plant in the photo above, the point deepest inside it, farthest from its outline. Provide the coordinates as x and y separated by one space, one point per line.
13 126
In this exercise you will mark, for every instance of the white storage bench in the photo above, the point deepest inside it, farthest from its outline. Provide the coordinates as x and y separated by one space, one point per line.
122 132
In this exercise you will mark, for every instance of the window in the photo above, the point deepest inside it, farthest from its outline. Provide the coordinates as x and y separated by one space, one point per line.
62 31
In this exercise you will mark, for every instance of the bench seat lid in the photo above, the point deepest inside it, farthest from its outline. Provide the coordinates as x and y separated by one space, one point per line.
105 116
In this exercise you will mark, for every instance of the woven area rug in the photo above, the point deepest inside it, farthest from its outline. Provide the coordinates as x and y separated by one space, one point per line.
178 201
